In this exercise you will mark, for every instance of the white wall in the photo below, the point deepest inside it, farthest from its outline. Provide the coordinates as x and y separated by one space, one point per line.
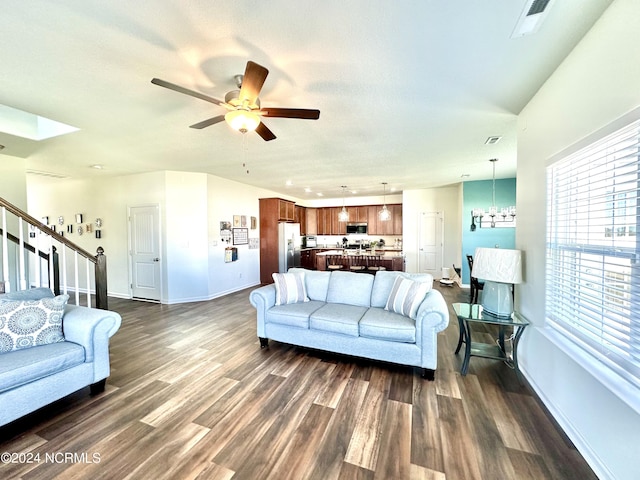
597 83
191 208
13 181
446 200
226 199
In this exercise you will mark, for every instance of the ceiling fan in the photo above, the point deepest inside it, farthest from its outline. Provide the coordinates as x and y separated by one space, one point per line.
244 108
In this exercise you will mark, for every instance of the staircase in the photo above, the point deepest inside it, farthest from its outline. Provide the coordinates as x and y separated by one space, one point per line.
33 255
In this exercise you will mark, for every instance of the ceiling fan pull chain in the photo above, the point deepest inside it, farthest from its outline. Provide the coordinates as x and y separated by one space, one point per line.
245 149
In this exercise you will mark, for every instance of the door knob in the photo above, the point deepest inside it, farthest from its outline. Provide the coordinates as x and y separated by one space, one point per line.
156 259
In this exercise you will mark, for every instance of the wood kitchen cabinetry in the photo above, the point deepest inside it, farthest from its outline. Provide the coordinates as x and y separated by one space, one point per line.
300 216
327 220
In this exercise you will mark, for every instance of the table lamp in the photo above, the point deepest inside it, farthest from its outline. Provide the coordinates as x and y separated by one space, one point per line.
499 268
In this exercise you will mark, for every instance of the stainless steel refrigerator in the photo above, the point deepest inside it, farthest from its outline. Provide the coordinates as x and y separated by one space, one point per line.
289 243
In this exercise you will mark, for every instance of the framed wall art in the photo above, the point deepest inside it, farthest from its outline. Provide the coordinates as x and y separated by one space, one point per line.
240 236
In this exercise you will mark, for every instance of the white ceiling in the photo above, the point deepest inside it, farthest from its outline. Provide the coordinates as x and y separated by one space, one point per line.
408 90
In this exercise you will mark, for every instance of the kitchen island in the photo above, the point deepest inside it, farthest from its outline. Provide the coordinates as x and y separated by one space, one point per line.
389 259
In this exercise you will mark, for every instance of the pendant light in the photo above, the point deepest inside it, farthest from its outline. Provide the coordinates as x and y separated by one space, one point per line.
343 215
384 214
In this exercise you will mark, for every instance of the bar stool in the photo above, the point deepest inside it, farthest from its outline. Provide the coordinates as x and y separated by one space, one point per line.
334 262
373 264
357 263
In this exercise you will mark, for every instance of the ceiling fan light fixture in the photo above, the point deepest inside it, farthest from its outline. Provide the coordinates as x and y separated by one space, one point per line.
242 120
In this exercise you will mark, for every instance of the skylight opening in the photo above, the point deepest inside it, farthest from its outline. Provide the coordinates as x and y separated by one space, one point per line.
30 126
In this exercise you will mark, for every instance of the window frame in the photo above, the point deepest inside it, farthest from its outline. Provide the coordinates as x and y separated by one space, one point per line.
623 382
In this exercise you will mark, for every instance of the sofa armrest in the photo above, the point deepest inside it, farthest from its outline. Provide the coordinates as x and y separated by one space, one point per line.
262 299
433 317
91 328
433 312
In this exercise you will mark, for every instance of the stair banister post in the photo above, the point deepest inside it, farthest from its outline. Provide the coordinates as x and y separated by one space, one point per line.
101 280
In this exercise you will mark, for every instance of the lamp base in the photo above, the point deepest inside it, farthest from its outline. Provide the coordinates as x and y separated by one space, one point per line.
497 299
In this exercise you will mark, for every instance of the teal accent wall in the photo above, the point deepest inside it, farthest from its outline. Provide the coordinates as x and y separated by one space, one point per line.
478 195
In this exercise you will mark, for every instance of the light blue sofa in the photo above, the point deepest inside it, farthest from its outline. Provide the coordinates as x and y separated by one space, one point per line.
33 377
346 314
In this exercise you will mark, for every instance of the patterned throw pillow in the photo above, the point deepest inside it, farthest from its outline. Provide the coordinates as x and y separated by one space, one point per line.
406 296
27 323
289 288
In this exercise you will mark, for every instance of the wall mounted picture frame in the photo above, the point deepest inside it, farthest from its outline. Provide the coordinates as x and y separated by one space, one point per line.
98 233
78 218
69 228
240 236
237 222
254 223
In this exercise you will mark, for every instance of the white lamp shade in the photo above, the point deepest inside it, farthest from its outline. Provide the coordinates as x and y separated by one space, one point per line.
497 265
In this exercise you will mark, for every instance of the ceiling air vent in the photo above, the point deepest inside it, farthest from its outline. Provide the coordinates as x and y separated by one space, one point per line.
531 18
45 174
537 6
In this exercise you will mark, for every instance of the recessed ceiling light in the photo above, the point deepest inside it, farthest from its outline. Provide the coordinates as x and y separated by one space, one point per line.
465 175
493 140
307 189
354 191
97 167
289 183
320 194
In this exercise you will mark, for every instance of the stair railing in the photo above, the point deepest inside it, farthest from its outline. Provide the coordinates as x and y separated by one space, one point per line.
45 245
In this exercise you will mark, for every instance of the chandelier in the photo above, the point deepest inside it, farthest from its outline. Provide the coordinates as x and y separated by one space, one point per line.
506 217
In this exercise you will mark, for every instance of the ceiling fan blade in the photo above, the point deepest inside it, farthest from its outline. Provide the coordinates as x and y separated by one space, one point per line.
290 113
252 81
186 91
208 122
264 132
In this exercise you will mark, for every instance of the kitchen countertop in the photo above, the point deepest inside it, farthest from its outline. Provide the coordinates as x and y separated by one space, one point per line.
385 253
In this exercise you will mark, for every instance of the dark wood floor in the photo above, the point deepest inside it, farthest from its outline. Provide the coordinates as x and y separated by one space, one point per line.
192 396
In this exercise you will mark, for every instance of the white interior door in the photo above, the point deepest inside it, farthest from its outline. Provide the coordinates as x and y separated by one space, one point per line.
430 243
144 234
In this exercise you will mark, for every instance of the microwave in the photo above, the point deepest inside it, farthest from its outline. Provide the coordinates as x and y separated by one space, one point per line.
309 241
360 228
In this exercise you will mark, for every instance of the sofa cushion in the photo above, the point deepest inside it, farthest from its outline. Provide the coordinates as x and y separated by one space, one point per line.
385 325
294 314
337 318
29 364
350 288
28 323
31 294
315 281
383 283
289 288
406 296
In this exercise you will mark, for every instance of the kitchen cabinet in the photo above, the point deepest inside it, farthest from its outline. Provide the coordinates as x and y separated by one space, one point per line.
337 227
286 210
327 223
307 259
300 216
312 221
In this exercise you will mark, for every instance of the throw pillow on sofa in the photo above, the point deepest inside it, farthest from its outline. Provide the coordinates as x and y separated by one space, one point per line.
28 323
289 288
406 296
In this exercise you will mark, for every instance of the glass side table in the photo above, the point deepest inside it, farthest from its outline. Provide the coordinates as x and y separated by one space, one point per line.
469 313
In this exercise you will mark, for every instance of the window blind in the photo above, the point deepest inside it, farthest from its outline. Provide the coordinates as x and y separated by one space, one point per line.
592 269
